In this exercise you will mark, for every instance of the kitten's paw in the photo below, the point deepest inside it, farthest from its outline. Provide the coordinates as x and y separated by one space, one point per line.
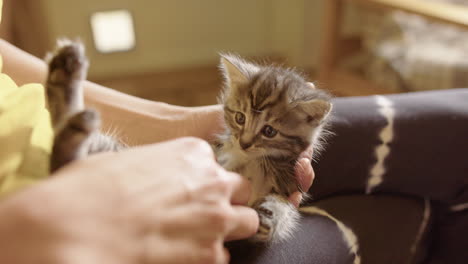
68 62
278 219
265 229
68 66
74 139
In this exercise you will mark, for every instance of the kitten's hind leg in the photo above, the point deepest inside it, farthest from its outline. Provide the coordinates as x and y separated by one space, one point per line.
74 140
68 67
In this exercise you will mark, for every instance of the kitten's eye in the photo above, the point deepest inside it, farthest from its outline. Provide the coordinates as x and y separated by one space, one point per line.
268 131
240 118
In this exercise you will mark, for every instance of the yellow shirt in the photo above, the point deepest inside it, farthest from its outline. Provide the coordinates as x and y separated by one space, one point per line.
26 135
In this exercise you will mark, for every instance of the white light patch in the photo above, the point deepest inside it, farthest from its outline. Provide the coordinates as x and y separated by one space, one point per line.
386 136
459 207
113 31
348 234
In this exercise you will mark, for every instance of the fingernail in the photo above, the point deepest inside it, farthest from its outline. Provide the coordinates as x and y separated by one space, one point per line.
305 162
307 174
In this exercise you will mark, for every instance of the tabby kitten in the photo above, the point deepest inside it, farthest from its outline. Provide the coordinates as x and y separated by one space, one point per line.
272 115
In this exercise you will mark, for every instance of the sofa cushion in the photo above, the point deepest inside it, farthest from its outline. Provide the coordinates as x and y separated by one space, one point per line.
389 229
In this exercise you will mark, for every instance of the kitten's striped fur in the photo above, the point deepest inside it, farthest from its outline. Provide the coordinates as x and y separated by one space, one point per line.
295 109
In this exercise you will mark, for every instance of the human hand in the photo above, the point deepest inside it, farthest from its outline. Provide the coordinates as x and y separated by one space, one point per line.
164 203
305 175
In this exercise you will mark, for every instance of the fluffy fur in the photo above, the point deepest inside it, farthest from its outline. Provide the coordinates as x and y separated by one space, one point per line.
272 115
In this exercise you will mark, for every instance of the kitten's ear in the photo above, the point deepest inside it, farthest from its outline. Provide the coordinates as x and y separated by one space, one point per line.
232 73
311 85
317 110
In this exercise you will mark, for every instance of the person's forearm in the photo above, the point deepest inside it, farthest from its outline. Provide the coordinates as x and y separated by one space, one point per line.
22 67
136 120
140 121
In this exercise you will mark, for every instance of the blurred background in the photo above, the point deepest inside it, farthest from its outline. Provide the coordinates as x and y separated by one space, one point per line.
167 50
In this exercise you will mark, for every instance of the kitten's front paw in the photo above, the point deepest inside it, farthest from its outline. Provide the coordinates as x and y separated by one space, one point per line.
278 219
265 229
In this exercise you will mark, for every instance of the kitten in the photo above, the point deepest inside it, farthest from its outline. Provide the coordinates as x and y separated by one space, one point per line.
272 115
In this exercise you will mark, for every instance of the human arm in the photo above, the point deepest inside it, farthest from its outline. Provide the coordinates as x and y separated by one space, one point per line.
139 121
142 205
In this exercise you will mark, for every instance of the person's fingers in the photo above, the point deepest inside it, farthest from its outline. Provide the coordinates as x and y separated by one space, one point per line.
197 221
241 190
304 173
307 153
295 199
227 256
225 184
214 252
245 223
222 255
160 250
198 146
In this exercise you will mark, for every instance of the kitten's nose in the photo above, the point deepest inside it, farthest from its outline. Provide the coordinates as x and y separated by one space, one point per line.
245 145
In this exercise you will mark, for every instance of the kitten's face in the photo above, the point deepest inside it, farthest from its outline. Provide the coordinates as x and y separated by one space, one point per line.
270 111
